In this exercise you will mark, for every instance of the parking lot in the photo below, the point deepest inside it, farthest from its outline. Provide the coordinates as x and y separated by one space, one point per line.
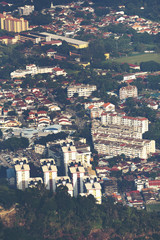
6 157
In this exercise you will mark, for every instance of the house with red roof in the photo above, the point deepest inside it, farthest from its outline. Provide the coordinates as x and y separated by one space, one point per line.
42 113
108 107
58 71
154 184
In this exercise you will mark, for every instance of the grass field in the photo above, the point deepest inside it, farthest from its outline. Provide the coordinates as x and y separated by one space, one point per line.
136 59
153 207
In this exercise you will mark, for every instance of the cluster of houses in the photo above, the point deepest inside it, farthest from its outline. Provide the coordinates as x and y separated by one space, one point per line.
71 24
67 23
33 101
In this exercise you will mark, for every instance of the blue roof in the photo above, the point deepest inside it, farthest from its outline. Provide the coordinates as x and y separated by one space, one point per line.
10 173
51 128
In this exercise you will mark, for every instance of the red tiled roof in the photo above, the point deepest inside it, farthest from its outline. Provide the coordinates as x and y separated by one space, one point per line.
154 182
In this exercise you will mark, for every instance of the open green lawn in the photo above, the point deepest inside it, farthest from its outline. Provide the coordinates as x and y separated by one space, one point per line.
136 59
153 207
70 71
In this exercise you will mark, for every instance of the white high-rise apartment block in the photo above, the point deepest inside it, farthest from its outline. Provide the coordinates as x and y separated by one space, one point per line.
77 174
128 91
83 90
72 153
22 173
65 181
34 182
83 155
49 173
69 155
91 186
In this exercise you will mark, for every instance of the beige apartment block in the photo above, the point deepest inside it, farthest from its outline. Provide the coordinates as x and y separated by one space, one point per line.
49 173
128 91
83 90
93 188
117 130
140 124
133 150
11 24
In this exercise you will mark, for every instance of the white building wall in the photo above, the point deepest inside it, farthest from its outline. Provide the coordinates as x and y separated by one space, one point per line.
81 182
75 187
27 176
54 175
46 180
19 180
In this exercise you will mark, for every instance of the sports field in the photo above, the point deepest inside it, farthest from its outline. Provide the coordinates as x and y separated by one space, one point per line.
137 59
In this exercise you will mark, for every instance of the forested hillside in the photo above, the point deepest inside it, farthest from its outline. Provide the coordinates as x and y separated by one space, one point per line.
41 214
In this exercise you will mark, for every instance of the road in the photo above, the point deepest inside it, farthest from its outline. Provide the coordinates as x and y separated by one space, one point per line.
5 163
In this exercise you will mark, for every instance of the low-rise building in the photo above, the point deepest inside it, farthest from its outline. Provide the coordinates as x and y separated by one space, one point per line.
95 112
31 69
74 42
83 90
26 10
110 186
40 149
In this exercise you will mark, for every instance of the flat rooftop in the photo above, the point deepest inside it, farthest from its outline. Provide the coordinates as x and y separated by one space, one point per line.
69 40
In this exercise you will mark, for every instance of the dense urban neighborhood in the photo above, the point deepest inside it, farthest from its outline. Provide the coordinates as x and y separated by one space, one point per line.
79 120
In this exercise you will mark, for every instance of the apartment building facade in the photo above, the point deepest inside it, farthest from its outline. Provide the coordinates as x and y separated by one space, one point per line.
22 170
128 91
91 186
65 181
141 147
30 69
117 130
49 170
83 90
76 154
11 24
140 124
76 174
105 147
26 10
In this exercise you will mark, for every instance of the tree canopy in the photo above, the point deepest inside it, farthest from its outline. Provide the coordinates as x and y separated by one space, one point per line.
40 214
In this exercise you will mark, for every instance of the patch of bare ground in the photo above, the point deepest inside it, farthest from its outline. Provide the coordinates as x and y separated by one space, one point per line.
8 216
